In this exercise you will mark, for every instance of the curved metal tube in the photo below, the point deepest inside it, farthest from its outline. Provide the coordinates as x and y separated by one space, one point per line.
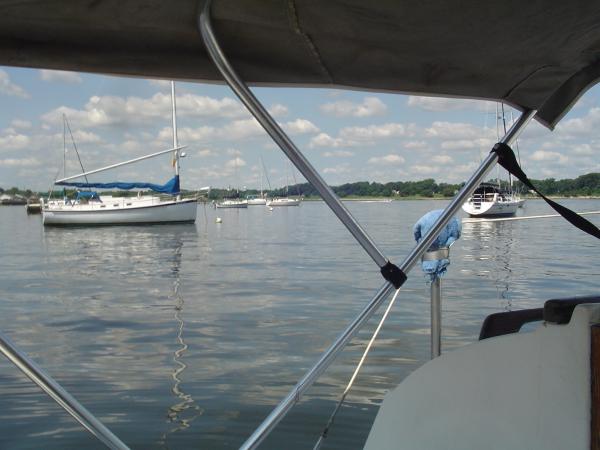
281 139
288 147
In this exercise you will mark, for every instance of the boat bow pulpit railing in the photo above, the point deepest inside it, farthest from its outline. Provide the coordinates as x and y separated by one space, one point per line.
393 274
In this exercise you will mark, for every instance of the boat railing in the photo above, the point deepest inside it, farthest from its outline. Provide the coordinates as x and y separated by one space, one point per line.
307 170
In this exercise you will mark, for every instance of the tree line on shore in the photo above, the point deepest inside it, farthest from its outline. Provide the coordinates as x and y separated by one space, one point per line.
584 185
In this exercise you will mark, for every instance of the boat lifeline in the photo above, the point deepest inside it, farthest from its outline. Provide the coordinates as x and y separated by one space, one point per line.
90 208
508 391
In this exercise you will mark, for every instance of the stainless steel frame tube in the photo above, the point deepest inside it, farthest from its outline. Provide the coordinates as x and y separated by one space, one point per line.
292 152
326 359
278 135
281 410
436 317
59 394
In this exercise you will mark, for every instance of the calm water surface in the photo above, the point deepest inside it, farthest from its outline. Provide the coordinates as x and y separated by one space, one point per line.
186 336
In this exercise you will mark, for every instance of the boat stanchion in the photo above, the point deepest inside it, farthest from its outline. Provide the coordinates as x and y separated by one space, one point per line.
435 262
436 301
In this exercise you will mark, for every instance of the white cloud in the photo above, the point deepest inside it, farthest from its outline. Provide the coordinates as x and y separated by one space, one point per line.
374 132
112 110
22 162
338 154
9 88
415 145
542 155
468 144
235 163
14 141
300 126
20 124
454 130
581 126
387 159
324 140
371 106
443 104
337 170
60 76
425 170
278 110
160 83
442 159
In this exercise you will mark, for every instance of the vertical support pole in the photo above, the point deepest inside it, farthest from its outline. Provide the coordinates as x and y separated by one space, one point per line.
436 317
595 387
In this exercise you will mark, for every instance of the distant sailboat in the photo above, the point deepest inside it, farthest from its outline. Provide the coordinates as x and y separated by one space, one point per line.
233 202
258 199
90 208
491 200
285 201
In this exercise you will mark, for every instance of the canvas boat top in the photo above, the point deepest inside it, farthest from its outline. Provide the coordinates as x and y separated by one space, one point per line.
533 55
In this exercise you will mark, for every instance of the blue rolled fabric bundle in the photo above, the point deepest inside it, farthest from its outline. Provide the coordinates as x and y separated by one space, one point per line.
450 233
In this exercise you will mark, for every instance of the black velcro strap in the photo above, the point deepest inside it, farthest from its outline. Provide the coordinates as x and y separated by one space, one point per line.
393 274
506 158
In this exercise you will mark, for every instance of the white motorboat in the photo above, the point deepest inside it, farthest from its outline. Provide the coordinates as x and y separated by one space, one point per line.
489 200
284 201
232 203
91 208
511 390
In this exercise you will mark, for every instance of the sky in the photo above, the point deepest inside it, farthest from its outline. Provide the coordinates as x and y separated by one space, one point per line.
348 136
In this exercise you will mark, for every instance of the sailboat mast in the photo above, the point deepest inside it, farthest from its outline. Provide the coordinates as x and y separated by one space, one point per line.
510 180
64 146
261 181
175 145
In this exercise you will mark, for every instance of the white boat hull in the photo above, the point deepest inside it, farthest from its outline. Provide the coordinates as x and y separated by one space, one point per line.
136 212
490 208
232 204
257 201
284 202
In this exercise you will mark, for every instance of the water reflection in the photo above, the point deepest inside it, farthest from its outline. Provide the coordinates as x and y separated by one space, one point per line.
492 244
182 413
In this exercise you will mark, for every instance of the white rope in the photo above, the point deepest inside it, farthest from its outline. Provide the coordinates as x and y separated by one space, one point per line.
504 219
354 375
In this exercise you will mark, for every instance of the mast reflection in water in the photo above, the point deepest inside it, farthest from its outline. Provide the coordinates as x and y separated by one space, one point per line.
182 413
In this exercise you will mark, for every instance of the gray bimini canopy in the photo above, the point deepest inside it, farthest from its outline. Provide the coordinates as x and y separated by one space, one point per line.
539 55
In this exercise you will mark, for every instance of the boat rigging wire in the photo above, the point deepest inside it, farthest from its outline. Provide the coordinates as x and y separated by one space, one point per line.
391 272
75 147
355 374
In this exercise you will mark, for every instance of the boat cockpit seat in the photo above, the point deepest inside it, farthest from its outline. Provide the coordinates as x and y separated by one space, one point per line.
555 311
538 390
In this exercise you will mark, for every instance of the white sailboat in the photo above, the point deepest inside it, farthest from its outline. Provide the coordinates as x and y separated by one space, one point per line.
285 201
491 200
90 208
233 202
258 200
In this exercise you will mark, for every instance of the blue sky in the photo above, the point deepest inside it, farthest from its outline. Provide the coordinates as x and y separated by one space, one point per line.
347 135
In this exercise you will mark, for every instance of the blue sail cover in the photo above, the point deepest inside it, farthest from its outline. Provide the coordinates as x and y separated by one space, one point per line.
170 187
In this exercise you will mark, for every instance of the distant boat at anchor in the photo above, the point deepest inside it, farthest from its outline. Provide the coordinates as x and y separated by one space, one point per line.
91 208
489 200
